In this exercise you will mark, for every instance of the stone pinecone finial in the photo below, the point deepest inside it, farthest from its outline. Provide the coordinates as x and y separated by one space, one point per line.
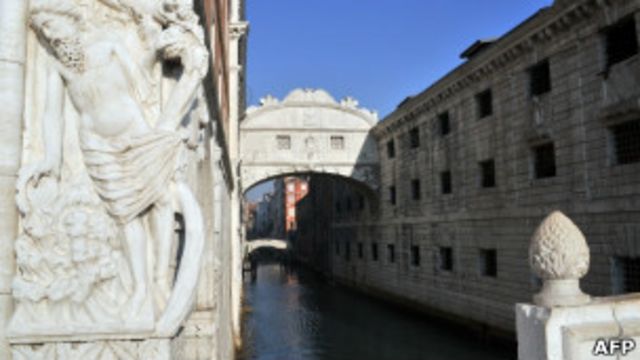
559 255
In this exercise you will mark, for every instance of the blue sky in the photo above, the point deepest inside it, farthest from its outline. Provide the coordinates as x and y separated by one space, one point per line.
378 51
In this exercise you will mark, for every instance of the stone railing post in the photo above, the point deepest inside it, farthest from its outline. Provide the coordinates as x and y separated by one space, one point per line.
564 323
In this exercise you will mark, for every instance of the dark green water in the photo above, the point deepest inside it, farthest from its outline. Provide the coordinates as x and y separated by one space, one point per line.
292 314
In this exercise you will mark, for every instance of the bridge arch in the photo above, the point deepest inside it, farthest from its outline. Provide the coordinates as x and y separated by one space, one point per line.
308 133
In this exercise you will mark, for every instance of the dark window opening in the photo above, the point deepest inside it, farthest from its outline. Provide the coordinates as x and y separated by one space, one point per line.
544 162
445 260
337 248
488 174
626 141
392 195
415 255
360 202
391 253
414 137
374 251
488 262
621 41
540 78
626 274
445 182
443 120
391 149
484 101
360 251
349 204
415 189
347 251
338 207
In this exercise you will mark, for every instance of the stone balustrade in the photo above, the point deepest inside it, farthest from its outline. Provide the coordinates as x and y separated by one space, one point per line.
563 323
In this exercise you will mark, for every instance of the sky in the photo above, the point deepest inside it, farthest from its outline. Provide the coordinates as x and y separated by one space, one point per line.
377 51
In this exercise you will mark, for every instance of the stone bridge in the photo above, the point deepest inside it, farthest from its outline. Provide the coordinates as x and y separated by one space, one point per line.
308 133
253 245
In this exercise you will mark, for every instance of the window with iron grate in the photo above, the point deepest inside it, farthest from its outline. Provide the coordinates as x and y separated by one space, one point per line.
626 142
626 274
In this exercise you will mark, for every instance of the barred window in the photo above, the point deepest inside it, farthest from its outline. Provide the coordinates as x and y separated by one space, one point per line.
283 142
488 174
414 137
621 41
391 253
374 251
337 142
540 78
445 258
626 141
626 274
488 262
443 121
415 189
445 182
484 102
360 251
415 255
544 161
391 149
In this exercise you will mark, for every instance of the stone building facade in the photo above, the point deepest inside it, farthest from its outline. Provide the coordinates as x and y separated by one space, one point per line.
204 55
544 118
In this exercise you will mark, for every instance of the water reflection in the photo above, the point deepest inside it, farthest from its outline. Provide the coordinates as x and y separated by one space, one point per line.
290 314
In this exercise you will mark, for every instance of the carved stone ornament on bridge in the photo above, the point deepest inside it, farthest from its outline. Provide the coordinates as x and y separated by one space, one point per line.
559 255
105 160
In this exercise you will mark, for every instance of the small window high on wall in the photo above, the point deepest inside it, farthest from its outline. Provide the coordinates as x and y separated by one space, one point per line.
625 138
621 41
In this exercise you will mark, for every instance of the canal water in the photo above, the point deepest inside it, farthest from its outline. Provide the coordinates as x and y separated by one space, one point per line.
291 314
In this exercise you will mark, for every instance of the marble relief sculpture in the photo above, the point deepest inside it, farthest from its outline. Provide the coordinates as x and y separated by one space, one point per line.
97 241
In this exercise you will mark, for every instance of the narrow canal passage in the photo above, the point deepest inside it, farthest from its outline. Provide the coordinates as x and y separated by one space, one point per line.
292 314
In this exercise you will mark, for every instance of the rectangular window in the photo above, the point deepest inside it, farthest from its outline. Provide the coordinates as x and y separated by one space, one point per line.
445 258
347 250
621 41
488 262
626 274
360 202
391 149
338 207
349 204
445 182
374 251
488 174
392 195
544 161
443 122
337 142
360 251
337 248
283 142
391 253
540 78
414 137
626 142
484 101
415 255
415 189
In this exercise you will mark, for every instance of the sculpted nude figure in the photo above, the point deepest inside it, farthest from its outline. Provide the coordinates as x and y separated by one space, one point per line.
131 164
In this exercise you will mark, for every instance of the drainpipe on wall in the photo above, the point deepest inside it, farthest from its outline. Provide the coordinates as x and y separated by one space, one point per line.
13 27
